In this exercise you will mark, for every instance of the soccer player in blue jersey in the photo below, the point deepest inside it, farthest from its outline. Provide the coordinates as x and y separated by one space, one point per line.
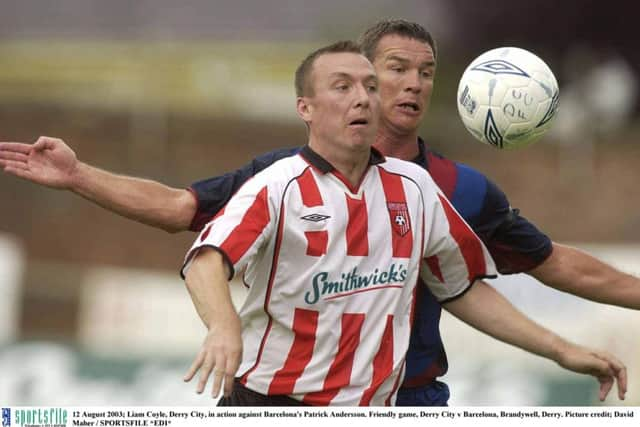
404 57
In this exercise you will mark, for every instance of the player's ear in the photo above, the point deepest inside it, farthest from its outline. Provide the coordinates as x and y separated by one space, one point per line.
304 108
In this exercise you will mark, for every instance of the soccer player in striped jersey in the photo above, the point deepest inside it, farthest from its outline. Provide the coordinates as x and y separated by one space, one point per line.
403 54
332 240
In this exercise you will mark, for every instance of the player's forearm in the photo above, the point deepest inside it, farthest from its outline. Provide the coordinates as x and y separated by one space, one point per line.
483 308
576 272
206 280
142 200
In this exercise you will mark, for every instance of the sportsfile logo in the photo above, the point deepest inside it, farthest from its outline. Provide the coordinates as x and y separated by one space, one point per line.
6 417
45 417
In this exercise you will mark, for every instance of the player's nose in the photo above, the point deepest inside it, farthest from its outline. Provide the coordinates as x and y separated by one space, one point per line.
413 82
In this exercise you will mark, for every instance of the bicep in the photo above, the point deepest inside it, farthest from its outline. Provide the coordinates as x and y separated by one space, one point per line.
566 268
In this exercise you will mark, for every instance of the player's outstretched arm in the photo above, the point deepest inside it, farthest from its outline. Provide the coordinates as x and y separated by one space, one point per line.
51 162
488 311
221 350
574 271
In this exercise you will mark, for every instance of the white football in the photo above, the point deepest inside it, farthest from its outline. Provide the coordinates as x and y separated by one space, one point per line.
507 97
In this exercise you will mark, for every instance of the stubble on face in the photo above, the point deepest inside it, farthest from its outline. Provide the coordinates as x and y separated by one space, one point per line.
405 69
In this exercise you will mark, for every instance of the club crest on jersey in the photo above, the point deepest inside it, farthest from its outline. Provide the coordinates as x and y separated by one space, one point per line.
399 214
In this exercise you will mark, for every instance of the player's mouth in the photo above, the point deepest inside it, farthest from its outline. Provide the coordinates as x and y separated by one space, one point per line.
358 123
411 108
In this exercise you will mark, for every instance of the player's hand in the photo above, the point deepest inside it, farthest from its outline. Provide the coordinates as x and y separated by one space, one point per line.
605 367
221 353
49 161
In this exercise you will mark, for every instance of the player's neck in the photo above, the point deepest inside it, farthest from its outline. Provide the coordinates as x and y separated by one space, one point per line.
393 144
351 164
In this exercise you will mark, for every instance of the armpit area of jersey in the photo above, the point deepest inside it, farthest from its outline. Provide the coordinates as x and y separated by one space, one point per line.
517 246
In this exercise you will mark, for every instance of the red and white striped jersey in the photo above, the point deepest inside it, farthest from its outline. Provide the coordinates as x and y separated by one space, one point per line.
332 270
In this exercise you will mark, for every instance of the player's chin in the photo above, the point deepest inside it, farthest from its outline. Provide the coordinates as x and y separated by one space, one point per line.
363 134
406 122
361 141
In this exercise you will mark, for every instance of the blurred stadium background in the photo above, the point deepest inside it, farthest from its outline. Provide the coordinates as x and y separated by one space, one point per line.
93 311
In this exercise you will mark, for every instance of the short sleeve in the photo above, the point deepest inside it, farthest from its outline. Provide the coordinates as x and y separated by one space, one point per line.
454 256
240 229
212 194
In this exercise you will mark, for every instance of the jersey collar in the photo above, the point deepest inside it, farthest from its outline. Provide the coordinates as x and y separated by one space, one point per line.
421 158
320 163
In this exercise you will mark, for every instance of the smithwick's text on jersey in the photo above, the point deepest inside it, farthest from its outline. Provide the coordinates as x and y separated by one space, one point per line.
352 281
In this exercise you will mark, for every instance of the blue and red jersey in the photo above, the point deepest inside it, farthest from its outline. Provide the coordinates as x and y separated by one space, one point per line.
515 244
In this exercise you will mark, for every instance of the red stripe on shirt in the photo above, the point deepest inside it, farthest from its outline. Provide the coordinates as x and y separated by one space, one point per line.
467 241
396 385
382 363
305 323
339 374
317 242
434 265
251 226
394 194
272 275
357 227
309 189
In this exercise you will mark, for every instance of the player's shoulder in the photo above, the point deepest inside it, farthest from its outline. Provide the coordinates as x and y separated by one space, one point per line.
403 167
439 166
274 179
475 194
468 173
471 180
452 175
283 170
413 175
469 189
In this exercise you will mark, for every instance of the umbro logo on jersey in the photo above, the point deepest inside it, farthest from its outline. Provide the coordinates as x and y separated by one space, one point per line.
315 217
